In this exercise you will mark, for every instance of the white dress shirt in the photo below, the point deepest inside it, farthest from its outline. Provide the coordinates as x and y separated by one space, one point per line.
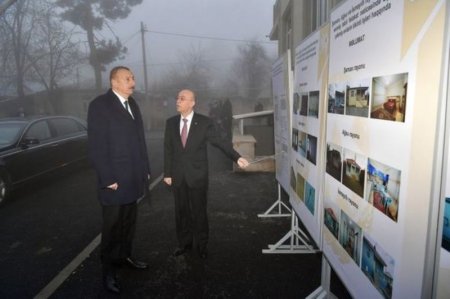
122 100
189 118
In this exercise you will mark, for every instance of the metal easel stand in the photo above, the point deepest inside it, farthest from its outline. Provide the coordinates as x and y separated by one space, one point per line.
324 290
279 205
295 241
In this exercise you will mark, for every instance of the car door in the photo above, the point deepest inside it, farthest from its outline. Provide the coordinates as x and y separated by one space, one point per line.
72 140
34 152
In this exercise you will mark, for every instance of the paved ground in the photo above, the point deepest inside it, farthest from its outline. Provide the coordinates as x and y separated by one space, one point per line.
235 268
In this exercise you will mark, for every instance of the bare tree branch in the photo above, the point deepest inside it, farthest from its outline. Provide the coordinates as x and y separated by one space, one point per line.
4 5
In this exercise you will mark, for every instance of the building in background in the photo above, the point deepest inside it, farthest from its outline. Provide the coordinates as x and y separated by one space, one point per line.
294 20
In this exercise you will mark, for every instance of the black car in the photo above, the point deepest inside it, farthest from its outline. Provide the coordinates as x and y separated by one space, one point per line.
32 147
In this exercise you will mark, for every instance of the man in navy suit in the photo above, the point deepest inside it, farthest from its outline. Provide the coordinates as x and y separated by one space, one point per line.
118 153
186 170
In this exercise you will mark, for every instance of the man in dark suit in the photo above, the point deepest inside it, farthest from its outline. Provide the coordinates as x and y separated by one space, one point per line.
118 153
186 170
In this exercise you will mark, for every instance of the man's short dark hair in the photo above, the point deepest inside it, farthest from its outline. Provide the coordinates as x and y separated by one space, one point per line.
114 71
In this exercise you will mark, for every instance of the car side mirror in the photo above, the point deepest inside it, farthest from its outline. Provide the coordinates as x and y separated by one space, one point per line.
26 142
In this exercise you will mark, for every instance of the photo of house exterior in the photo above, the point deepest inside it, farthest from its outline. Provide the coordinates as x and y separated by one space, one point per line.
374 266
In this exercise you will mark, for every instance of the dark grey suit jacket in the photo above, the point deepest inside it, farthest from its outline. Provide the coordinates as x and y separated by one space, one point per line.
117 149
191 163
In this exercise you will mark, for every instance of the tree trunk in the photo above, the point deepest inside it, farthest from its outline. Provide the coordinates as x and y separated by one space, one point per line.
20 86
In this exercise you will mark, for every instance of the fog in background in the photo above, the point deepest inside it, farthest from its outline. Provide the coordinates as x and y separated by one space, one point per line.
230 20
219 48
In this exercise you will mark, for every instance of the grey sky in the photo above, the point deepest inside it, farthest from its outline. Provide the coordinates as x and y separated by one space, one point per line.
228 19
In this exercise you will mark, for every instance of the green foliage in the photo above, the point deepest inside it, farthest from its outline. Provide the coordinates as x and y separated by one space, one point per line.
91 16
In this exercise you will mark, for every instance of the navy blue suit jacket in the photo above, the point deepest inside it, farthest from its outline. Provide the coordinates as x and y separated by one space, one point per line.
191 163
117 149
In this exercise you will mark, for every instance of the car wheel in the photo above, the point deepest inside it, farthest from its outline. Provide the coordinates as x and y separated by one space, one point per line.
3 189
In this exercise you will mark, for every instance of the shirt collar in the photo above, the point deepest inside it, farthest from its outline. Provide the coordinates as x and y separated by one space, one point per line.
188 117
121 98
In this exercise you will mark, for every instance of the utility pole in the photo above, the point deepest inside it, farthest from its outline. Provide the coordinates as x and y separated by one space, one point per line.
78 78
143 30
147 124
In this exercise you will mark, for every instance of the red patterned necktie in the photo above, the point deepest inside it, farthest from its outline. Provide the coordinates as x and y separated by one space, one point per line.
184 132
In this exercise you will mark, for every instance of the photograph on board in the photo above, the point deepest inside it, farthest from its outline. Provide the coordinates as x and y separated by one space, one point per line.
336 98
383 188
334 161
353 172
350 237
357 98
378 266
313 104
389 97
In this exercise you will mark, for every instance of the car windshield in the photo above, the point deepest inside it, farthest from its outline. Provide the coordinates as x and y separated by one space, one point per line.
9 132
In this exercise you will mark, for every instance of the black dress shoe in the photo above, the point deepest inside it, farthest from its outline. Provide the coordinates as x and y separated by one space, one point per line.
135 264
110 283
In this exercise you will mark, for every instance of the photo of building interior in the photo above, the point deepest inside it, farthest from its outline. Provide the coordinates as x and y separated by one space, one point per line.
296 103
389 97
313 104
300 187
311 148
353 172
302 143
295 139
357 99
304 104
334 161
310 197
446 226
377 266
350 237
383 188
293 179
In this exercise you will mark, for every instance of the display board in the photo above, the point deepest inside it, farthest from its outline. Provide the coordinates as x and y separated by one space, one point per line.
281 81
443 283
308 113
383 98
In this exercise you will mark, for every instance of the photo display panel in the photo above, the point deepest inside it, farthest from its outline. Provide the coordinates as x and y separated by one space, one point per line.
280 91
308 129
383 97
443 280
